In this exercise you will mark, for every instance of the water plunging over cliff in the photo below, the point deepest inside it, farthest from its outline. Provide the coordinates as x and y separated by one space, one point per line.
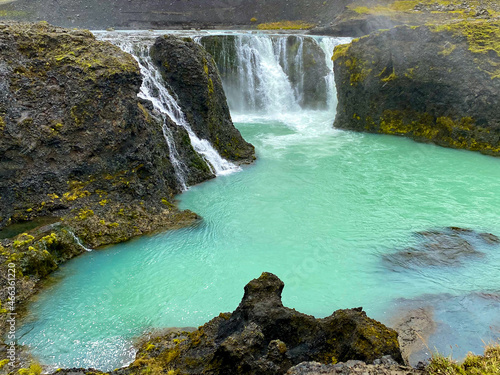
156 90
274 74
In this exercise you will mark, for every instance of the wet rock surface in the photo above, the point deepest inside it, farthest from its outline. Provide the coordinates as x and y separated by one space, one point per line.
447 247
429 83
194 77
263 337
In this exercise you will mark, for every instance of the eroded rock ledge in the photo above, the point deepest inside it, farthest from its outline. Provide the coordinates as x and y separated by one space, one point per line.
437 84
263 337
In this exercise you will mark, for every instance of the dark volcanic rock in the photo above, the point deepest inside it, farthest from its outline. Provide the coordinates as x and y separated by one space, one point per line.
431 83
193 75
75 140
263 337
446 247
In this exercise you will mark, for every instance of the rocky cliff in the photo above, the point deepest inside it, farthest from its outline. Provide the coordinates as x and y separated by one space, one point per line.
95 14
83 161
435 84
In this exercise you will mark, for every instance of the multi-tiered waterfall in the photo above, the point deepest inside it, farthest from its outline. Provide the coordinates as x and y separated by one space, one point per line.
261 74
275 73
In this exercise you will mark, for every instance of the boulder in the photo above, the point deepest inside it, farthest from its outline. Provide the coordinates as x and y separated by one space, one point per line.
436 84
264 337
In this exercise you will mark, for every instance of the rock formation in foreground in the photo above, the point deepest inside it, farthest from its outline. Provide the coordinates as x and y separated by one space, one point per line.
437 84
263 337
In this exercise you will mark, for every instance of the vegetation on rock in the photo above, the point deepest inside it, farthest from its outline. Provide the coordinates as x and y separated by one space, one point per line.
433 83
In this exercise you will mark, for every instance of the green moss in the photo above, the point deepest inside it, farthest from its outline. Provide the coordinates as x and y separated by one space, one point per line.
461 133
388 78
84 214
147 117
23 240
286 25
340 51
483 39
2 123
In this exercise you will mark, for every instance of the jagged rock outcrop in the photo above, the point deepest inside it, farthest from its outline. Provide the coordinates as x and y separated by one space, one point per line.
193 75
75 140
263 337
435 84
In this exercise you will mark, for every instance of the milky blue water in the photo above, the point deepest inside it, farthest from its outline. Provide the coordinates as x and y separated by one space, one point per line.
319 208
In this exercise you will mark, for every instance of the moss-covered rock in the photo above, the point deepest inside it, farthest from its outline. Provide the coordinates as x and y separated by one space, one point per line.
78 146
430 83
192 74
263 337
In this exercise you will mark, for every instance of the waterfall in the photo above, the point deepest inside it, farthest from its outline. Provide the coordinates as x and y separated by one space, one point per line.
157 91
265 84
328 44
277 74
79 242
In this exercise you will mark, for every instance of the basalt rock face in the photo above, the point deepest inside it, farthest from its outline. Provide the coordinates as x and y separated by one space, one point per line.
263 337
431 83
75 140
191 72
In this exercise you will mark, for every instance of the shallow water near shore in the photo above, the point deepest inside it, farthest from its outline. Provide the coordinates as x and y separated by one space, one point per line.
319 208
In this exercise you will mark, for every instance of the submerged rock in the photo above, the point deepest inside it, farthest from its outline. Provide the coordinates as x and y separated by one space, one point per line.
433 322
447 247
435 84
263 337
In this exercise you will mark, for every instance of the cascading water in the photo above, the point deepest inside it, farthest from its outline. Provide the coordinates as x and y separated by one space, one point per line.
275 74
157 91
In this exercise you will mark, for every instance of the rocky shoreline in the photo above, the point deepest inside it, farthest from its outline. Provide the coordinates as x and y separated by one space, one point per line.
433 83
82 157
